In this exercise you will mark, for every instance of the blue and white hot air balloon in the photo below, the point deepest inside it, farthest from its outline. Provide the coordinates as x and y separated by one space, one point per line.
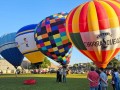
9 50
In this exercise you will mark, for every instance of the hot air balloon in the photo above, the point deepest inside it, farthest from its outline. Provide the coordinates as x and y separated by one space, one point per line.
51 38
94 28
9 50
27 44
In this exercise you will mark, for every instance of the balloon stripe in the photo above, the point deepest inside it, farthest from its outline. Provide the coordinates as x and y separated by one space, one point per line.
25 32
111 54
116 51
88 54
28 27
102 16
35 57
31 51
92 21
114 22
105 55
12 56
117 10
7 46
98 54
67 27
75 26
70 20
94 55
83 25
115 3
118 1
78 42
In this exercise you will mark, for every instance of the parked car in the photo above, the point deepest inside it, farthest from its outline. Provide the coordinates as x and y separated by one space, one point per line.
43 71
53 71
36 71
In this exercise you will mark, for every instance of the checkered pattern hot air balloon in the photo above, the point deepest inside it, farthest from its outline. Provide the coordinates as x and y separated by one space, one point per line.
51 38
94 28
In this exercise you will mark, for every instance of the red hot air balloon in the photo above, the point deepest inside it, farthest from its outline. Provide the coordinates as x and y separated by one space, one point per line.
94 28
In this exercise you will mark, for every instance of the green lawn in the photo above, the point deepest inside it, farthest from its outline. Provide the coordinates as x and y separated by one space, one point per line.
44 82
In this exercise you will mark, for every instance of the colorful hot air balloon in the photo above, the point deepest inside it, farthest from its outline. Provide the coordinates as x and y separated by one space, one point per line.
9 50
66 58
27 44
51 38
94 28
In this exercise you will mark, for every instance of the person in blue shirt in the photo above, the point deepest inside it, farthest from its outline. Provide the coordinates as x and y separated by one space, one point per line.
112 81
116 79
103 80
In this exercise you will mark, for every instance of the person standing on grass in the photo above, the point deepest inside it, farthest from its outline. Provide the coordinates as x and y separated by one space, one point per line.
57 75
93 78
103 79
97 70
64 74
116 79
112 81
60 75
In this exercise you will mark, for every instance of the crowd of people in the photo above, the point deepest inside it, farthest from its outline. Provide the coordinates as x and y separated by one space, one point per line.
98 79
61 75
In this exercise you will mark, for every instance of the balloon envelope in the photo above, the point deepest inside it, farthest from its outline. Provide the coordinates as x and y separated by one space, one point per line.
51 37
9 50
27 44
66 58
94 28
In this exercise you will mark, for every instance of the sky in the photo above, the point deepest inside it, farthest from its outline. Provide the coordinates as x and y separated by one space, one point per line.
15 14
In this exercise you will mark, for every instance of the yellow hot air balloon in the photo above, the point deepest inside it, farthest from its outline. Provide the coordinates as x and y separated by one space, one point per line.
27 44
94 28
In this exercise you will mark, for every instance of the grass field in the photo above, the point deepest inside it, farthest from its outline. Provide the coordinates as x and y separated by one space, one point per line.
45 82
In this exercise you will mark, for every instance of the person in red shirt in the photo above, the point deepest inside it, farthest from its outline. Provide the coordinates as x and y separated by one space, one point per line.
93 78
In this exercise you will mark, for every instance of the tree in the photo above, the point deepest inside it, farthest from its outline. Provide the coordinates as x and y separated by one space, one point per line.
43 64
89 64
46 63
75 65
114 63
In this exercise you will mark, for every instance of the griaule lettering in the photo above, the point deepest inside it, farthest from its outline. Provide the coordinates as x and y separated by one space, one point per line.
103 41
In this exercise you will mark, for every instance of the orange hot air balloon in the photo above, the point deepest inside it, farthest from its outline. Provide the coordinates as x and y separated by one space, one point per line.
94 28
